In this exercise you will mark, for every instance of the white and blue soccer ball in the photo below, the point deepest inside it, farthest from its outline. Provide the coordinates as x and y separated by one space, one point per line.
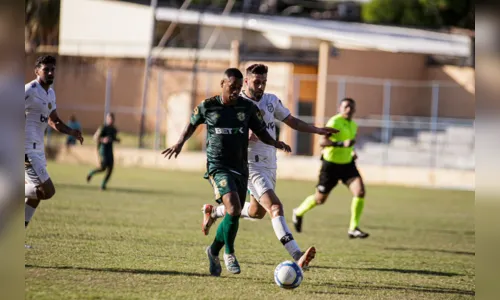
288 275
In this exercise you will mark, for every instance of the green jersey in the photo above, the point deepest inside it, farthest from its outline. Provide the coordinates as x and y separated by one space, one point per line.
348 130
227 132
110 132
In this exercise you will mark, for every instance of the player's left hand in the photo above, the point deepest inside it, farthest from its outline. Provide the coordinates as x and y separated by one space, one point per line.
327 131
282 146
175 149
78 135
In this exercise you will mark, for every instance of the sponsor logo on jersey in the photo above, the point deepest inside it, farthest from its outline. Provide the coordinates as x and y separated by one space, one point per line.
44 119
223 183
238 130
270 107
270 125
215 116
241 116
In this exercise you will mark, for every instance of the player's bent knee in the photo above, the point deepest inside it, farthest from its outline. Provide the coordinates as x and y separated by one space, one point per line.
232 204
233 211
47 190
320 198
46 194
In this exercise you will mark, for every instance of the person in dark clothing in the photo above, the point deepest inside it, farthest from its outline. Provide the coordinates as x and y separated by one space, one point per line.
105 136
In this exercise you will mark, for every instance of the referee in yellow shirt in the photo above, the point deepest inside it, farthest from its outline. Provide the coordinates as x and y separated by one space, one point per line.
338 163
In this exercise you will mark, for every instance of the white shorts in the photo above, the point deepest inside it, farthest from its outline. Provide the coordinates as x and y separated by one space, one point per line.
261 180
35 168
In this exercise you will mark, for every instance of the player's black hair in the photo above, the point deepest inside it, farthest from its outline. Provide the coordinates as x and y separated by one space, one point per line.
233 72
350 100
259 69
112 115
45 59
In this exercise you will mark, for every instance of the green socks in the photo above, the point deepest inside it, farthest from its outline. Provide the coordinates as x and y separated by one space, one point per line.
226 235
357 205
305 206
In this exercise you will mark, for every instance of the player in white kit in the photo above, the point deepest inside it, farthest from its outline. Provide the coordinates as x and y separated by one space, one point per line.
40 111
262 166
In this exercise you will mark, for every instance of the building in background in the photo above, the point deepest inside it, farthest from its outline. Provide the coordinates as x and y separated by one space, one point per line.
313 63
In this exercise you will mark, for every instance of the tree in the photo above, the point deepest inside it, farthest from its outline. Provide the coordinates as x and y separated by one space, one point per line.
41 22
420 13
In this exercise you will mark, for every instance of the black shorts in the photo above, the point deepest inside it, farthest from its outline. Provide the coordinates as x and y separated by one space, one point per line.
106 160
331 173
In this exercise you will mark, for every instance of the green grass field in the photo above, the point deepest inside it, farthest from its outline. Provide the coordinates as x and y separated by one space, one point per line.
141 239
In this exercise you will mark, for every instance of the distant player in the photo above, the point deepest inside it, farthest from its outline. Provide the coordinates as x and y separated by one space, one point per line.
228 118
73 124
338 163
262 165
105 136
40 111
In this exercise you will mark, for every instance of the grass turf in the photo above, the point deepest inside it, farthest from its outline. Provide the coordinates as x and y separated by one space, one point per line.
142 239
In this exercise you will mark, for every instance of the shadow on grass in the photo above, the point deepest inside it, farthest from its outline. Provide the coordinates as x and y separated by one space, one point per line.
433 250
139 191
437 230
412 288
121 270
394 270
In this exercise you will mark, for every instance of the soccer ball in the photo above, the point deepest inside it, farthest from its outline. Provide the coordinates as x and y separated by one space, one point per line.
288 275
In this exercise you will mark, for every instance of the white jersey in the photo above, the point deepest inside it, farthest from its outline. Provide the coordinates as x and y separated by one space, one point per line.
38 104
271 108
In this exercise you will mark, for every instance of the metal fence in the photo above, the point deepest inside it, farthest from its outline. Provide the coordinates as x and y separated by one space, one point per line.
400 122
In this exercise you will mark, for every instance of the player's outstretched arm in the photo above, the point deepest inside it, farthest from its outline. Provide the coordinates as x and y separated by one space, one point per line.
197 118
264 136
302 126
56 123
177 148
326 142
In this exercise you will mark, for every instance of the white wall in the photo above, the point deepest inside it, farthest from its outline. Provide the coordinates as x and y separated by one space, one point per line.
104 28
289 167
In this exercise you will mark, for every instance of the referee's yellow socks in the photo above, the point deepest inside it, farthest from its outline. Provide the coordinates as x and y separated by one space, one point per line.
305 206
357 205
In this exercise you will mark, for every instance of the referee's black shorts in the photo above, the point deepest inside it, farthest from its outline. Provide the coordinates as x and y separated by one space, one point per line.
331 173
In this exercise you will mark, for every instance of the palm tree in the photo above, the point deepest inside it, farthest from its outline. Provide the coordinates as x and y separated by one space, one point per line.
41 26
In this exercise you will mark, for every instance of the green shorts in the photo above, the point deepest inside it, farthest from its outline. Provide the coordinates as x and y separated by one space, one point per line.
224 181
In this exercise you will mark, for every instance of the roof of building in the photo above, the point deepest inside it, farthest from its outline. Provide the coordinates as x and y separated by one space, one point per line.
341 34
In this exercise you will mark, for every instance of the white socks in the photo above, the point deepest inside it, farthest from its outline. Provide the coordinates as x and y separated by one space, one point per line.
30 191
285 237
244 211
28 213
221 210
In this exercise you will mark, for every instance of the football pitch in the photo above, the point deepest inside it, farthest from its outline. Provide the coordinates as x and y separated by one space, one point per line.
141 239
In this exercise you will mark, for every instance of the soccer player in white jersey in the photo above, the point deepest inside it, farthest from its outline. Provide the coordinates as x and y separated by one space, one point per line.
40 111
262 166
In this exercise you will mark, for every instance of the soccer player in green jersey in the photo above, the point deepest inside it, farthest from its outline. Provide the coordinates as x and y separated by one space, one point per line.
262 163
228 118
338 163
105 136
